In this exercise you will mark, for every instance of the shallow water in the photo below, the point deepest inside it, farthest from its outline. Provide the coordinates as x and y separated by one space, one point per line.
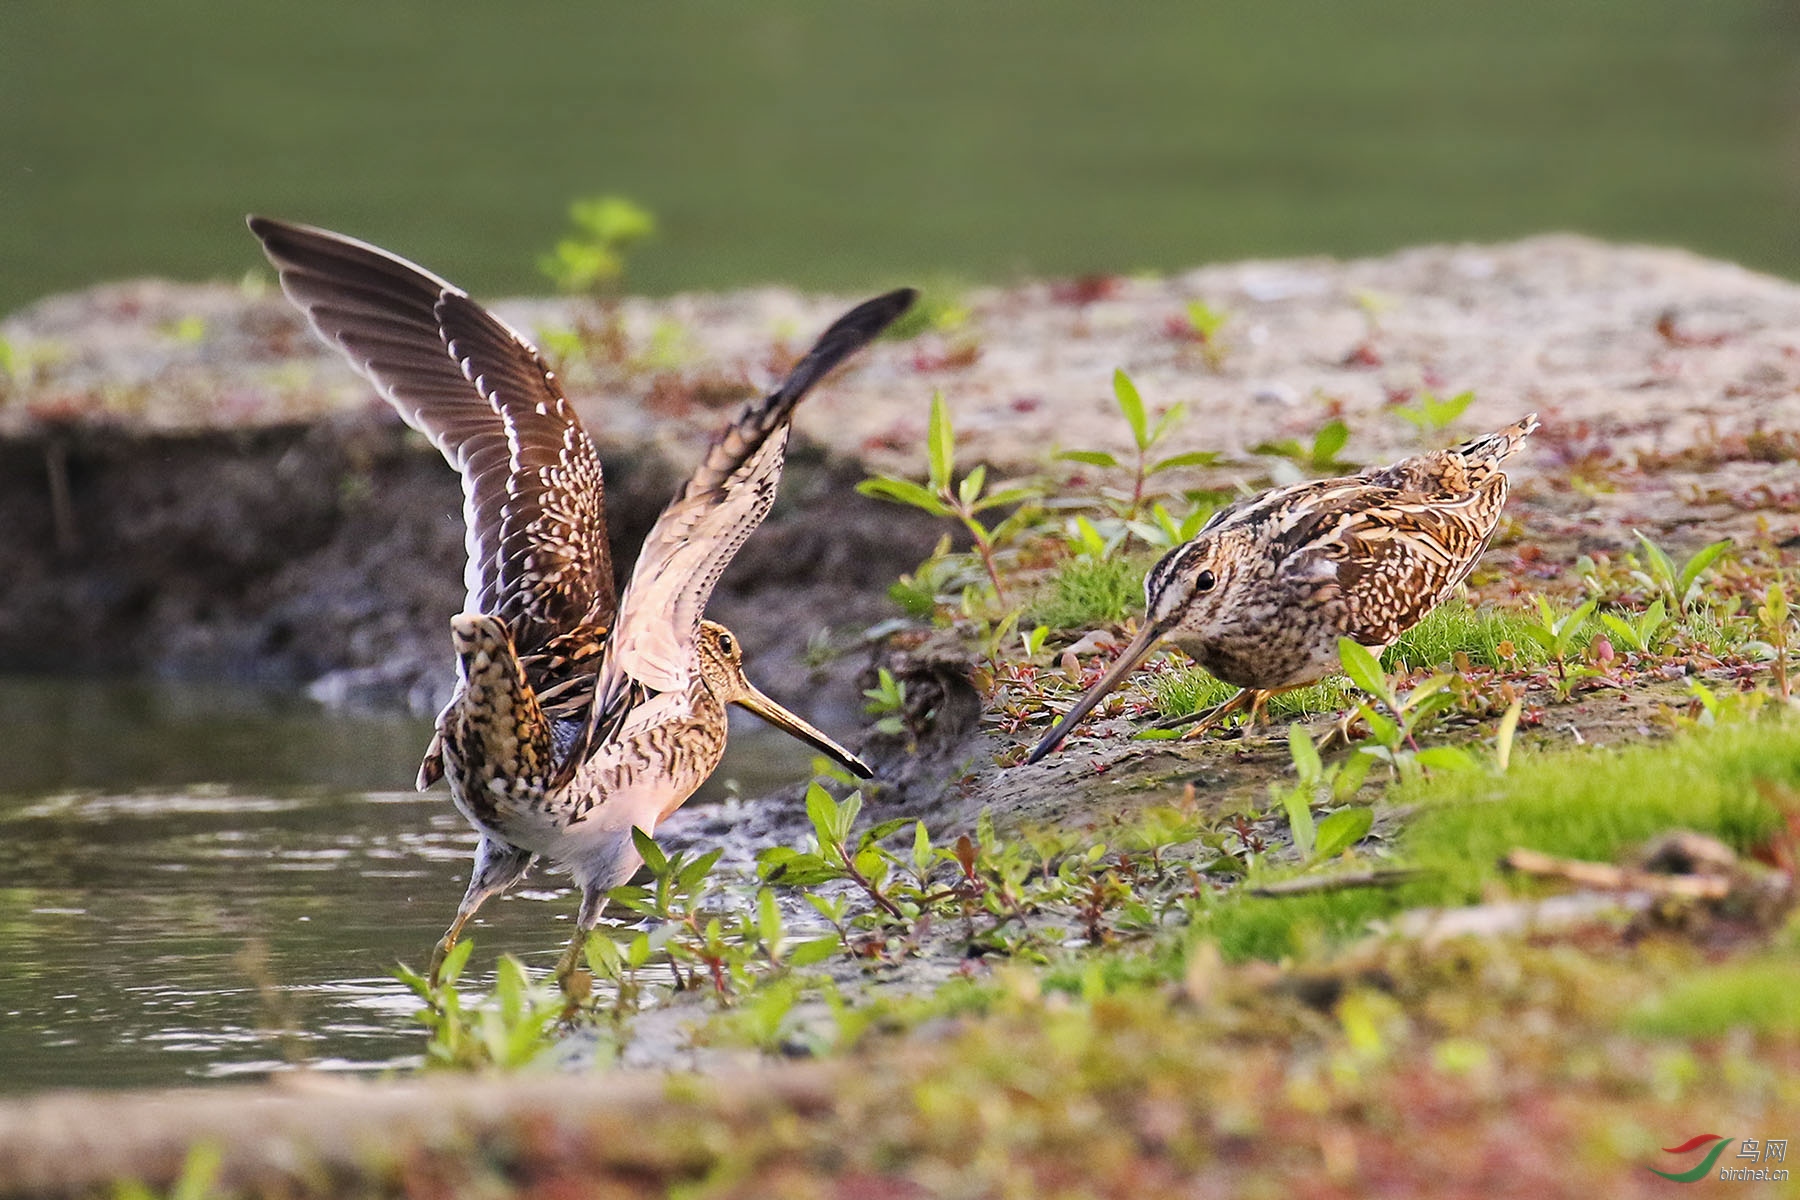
199 883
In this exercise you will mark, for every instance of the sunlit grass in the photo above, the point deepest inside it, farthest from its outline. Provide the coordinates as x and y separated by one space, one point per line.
1454 628
1084 592
1763 997
1593 803
1192 690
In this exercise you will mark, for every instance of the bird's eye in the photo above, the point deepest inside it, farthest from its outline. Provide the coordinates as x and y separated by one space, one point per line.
726 644
1204 581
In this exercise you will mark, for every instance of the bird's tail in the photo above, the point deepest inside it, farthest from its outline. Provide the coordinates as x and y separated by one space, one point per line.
1494 448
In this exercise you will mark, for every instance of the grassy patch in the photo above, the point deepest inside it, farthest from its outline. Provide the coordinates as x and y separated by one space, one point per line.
1760 996
1454 628
1085 592
1191 690
1594 804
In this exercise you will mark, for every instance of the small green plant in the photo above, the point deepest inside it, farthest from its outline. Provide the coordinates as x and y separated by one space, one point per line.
509 1030
1679 586
593 259
1773 615
1558 635
887 701
1205 323
942 496
1407 713
1321 842
1644 632
1431 415
1146 437
863 862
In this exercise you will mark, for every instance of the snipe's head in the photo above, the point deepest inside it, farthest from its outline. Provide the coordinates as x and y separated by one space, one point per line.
722 668
1184 596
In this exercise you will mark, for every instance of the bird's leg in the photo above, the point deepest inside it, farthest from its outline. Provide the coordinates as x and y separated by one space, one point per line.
497 867
593 903
1210 719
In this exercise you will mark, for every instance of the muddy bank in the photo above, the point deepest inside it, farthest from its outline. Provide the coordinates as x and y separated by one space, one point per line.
329 555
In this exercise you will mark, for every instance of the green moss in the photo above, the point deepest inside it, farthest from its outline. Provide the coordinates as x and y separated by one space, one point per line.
1592 803
1084 592
1760 996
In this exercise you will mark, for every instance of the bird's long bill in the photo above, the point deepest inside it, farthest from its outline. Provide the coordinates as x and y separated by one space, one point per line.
1133 655
792 725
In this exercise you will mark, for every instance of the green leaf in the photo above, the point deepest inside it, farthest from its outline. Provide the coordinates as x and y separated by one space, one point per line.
650 852
1093 458
1660 563
1342 830
884 830
825 815
456 960
904 491
1329 440
1304 753
1132 405
1017 495
693 874
971 486
1298 805
942 444
817 950
921 851
1364 670
1176 414
1703 558
1445 758
1623 630
1193 458
789 867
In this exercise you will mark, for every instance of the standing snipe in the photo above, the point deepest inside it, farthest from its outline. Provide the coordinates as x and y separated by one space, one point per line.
1268 586
575 719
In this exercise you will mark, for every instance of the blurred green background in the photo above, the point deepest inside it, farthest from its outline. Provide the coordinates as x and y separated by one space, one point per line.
833 144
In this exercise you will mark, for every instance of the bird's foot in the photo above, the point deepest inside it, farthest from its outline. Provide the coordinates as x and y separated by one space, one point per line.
1211 719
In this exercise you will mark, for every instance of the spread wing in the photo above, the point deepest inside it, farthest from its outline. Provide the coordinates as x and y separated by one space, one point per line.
695 538
533 504
1389 557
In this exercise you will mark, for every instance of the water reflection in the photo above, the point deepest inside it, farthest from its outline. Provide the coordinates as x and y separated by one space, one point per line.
202 883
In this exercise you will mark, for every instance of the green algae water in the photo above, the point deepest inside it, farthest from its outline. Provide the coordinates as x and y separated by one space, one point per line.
199 883
845 145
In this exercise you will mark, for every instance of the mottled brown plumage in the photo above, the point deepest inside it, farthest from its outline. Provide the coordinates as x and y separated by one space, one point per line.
1263 593
576 719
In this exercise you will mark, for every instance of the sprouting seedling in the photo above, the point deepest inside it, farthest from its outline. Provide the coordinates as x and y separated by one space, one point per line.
1393 731
944 497
1146 437
1773 615
1324 840
1205 323
593 260
1431 414
1556 635
1680 586
887 700
1642 632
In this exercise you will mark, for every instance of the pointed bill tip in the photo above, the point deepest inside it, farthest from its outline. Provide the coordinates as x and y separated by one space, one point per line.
1128 659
